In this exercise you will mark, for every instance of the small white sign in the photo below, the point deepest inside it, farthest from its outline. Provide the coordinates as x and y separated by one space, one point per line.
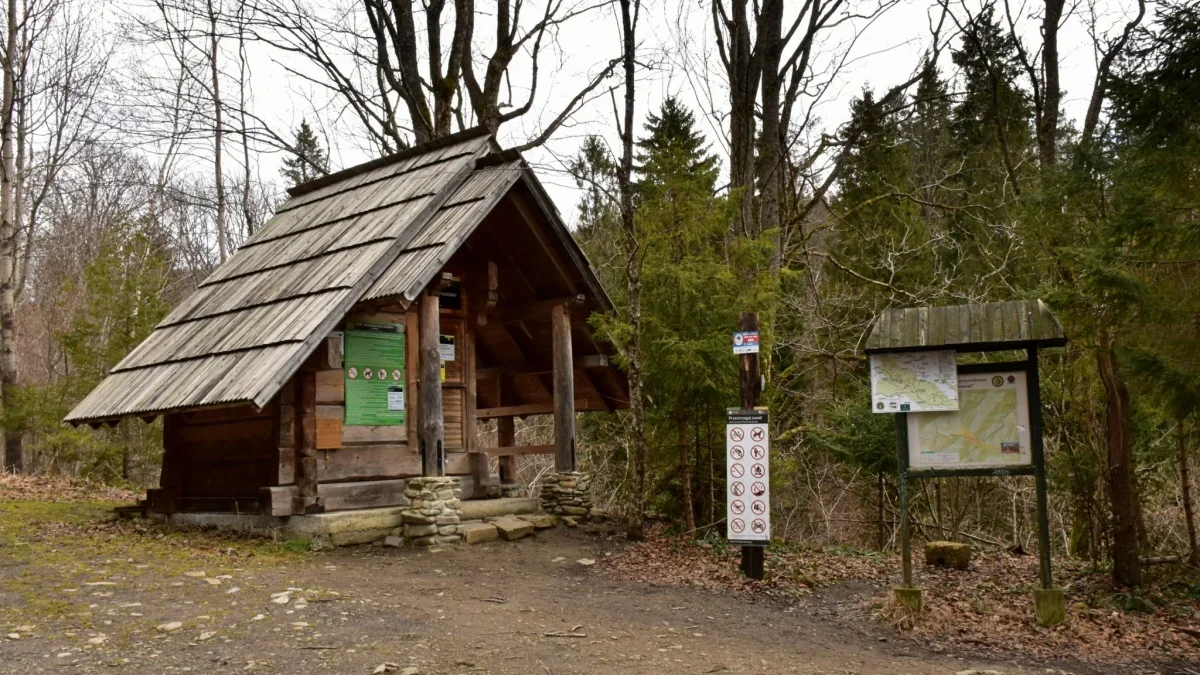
446 347
395 399
748 479
745 342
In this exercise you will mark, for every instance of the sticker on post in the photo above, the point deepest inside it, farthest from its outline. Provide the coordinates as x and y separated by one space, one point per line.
745 342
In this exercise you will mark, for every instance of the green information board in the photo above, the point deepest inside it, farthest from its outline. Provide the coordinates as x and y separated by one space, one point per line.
374 372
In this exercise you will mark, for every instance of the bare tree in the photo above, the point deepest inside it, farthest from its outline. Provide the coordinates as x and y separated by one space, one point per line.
402 84
630 9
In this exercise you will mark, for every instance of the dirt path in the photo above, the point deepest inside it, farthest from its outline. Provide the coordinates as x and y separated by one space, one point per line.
484 608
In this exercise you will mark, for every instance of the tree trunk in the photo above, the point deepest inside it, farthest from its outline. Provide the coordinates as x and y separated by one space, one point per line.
771 160
1185 485
1127 568
13 451
633 273
1047 125
685 466
218 135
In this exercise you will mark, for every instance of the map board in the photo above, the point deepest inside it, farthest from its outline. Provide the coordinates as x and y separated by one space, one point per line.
914 382
990 429
748 478
374 374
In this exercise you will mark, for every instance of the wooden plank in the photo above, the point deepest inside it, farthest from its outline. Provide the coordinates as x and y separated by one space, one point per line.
430 427
470 394
306 441
277 501
374 434
331 386
511 452
589 362
506 437
329 434
411 385
537 310
564 390
535 409
287 429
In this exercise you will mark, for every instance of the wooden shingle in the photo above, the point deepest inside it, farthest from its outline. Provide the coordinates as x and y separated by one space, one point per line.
1016 324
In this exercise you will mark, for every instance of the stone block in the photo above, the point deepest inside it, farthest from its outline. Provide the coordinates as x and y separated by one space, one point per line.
512 528
908 598
950 554
1049 606
539 520
420 530
476 533
393 541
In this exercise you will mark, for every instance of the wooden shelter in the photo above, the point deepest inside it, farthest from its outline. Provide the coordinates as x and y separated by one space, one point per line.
295 379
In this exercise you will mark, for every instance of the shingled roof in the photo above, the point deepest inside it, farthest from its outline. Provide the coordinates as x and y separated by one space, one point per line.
384 228
990 326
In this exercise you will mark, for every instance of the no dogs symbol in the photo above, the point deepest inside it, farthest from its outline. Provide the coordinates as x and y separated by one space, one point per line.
757 434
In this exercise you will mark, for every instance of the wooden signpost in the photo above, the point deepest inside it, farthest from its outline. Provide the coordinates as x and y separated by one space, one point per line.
751 389
966 420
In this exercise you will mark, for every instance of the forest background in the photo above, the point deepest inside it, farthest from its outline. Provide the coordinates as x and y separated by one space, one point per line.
130 166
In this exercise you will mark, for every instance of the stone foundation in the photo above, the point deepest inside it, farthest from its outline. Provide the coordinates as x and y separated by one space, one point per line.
513 490
434 512
568 493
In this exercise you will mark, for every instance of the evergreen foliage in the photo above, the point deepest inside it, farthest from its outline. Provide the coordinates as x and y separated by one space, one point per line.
309 160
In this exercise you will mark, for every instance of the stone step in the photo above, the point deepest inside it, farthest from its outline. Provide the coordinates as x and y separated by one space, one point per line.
481 509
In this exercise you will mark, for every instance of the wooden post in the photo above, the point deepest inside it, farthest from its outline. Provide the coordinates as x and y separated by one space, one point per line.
564 390
506 437
1039 466
902 464
751 389
304 441
429 409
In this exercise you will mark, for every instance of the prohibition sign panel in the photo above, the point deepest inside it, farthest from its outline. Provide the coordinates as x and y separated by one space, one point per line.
747 462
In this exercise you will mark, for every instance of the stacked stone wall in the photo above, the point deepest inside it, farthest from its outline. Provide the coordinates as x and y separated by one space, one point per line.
567 493
434 514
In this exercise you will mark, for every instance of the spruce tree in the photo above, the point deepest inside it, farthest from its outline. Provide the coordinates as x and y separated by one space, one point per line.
309 160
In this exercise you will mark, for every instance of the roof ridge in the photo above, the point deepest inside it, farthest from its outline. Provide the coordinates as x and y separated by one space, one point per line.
420 149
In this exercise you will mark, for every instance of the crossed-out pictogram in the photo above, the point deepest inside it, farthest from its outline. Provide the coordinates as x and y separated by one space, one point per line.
757 434
737 452
738 489
757 452
737 524
758 471
758 526
737 506
757 507
737 470
758 489
737 434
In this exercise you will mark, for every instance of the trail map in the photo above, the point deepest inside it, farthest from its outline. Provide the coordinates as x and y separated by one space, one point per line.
914 382
990 428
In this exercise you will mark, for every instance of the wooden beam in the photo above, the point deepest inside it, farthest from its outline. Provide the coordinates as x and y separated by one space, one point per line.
506 437
564 390
510 452
538 309
590 362
581 404
305 442
535 227
490 293
430 428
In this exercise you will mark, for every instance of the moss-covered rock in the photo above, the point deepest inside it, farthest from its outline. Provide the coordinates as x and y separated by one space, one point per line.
950 554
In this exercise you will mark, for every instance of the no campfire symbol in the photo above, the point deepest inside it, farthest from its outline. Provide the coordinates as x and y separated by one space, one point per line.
743 460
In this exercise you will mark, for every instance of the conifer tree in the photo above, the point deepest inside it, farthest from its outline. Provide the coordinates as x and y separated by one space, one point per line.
308 161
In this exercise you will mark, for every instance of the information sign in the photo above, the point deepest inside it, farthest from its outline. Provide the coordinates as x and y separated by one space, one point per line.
374 374
748 494
914 382
990 429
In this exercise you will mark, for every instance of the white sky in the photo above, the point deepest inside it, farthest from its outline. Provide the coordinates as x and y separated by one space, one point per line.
677 44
